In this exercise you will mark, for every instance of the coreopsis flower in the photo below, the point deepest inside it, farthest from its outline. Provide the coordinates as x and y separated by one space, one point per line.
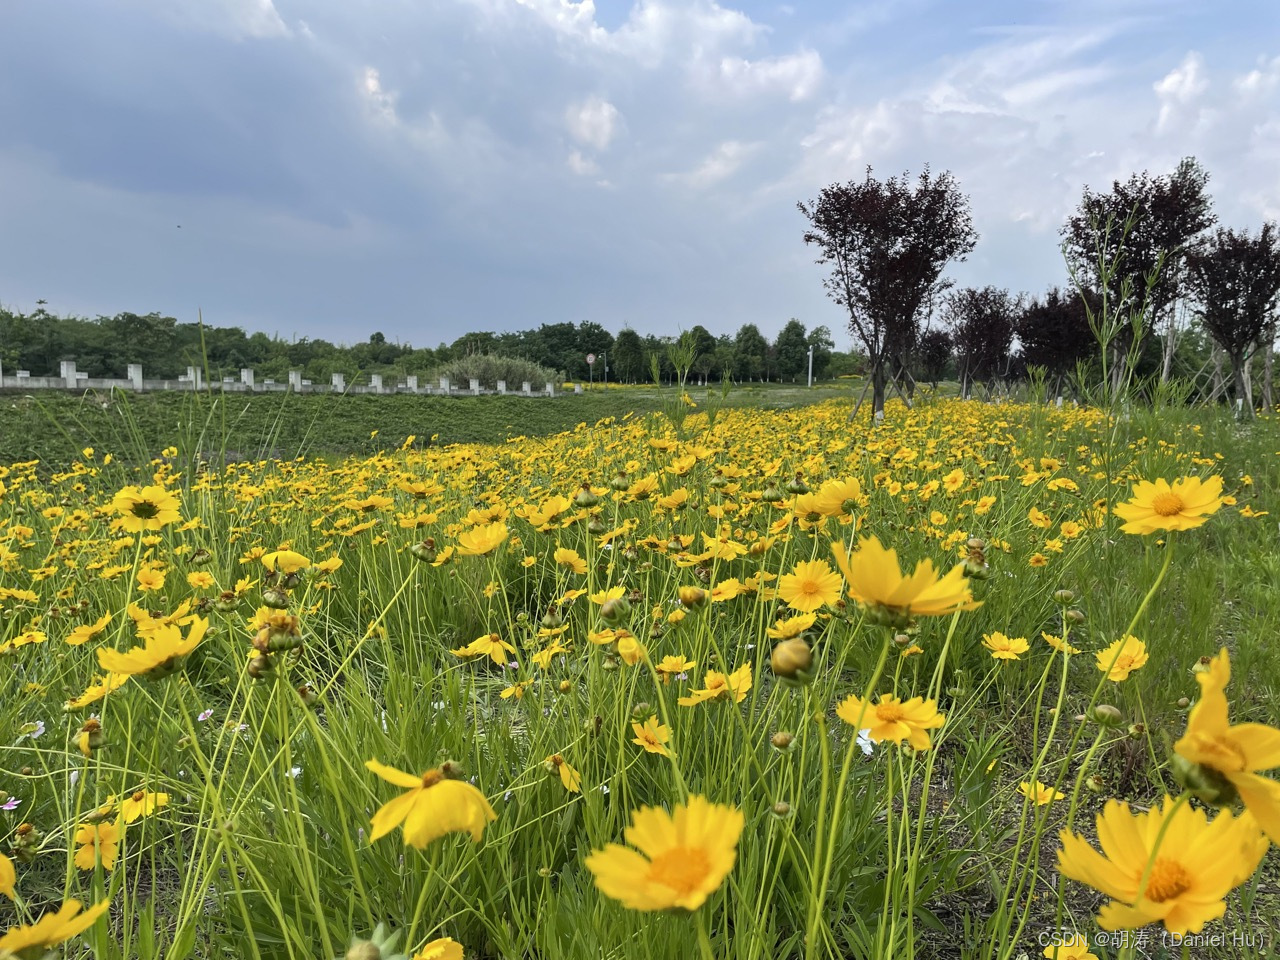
811 585
652 736
146 508
838 498
481 539
792 626
875 580
8 877
489 645
285 561
1039 793
50 930
150 580
139 804
680 859
891 720
721 686
1122 657
159 654
83 634
631 650
433 806
570 558
1188 876
1218 750
1059 643
1162 506
446 948
1074 946
673 665
569 777
97 841
1005 648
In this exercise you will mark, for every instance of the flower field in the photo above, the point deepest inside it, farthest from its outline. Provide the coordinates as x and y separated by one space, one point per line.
981 680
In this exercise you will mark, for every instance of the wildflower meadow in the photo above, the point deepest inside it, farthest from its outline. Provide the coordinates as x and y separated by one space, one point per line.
986 680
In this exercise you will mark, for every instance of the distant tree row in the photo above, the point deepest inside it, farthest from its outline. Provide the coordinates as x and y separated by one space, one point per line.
1140 261
105 346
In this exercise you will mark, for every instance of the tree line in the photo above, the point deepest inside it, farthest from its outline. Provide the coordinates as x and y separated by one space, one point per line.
1153 291
105 346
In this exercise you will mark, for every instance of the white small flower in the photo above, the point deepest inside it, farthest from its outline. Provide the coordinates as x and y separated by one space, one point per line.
204 715
295 772
866 743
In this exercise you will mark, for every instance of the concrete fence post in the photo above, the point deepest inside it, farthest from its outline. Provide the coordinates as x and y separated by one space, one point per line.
502 387
246 377
527 388
295 381
375 381
444 385
339 382
135 375
475 386
412 384
68 373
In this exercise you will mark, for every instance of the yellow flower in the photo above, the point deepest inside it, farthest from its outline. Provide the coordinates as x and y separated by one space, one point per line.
8 877
433 806
140 803
570 777
1181 505
285 561
150 579
51 929
1040 793
892 720
1039 519
482 539
1187 877
1059 643
159 653
83 634
812 585
97 841
683 856
875 580
446 948
604 596
1122 658
1235 752
674 665
569 558
1073 947
489 645
652 735
721 687
200 580
148 508
98 689
791 627
631 650
1005 648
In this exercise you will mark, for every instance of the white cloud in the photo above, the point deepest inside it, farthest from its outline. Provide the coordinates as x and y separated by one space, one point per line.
582 166
1180 88
382 105
593 122
722 163
798 75
237 19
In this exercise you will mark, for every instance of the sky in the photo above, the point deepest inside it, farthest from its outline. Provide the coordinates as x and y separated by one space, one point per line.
425 168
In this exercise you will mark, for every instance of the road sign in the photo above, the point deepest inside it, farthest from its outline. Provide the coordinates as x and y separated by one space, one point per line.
591 358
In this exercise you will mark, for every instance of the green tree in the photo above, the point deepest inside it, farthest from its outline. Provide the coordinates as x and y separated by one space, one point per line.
791 350
627 357
750 353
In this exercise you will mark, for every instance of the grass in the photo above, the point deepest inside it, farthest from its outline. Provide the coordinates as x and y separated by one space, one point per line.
262 848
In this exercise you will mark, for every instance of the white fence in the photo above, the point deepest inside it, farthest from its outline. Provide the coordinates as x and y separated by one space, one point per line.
69 378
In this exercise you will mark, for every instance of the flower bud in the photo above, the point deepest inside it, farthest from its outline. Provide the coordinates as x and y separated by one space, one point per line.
771 494
1095 783
552 619
596 527
565 686
200 557
902 639
1105 715
692 596
1064 597
585 498
307 694
275 598
620 482
425 550
782 741
641 711
797 485
1073 616
364 950
261 666
1137 731
791 660
781 809
1183 703
1204 783
616 610
453 770
227 602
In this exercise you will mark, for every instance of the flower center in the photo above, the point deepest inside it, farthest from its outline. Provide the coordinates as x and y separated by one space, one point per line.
144 510
138 796
431 778
1169 879
889 712
1167 504
682 869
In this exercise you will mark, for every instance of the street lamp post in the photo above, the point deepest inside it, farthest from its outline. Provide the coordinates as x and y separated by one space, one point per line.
811 365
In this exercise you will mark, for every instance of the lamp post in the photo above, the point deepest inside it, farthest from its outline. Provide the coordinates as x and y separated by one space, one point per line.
811 365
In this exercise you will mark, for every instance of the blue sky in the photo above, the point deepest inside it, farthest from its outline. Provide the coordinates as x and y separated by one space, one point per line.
428 167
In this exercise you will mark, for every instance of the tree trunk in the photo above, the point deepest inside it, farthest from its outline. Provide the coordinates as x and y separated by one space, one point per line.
1170 343
877 389
1268 404
1217 374
1248 382
1244 409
